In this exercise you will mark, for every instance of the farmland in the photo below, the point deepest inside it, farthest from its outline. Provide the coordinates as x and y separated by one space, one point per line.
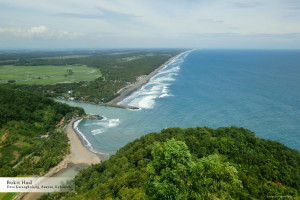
92 75
48 74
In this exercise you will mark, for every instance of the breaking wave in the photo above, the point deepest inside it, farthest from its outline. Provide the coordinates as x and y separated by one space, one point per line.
85 141
157 87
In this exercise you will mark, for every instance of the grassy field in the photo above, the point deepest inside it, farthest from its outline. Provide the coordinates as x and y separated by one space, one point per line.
63 57
48 74
7 196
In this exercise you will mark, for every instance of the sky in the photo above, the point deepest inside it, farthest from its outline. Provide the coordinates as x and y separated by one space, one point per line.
249 24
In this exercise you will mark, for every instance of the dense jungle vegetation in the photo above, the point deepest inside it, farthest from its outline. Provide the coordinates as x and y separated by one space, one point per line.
118 68
24 118
193 163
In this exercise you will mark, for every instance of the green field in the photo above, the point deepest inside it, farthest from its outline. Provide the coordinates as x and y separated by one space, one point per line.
48 74
63 57
7 196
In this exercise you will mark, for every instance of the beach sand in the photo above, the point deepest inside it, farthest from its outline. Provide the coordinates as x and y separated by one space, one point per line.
137 85
79 155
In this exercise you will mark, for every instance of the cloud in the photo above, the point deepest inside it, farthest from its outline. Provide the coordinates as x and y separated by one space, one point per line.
104 14
40 32
78 15
292 4
246 4
254 36
136 23
211 21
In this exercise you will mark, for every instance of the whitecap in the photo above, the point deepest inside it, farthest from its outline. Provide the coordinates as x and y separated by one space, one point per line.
97 131
87 143
164 95
75 127
157 87
113 122
103 123
148 102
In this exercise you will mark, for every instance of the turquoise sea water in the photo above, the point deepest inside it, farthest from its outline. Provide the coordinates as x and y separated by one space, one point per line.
255 89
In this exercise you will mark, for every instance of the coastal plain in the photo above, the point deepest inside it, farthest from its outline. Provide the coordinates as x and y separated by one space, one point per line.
51 75
47 74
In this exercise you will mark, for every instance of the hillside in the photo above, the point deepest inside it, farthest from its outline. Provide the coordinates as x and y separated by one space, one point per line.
28 129
199 163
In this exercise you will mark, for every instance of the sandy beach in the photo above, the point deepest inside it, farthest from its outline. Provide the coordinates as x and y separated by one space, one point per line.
138 84
79 155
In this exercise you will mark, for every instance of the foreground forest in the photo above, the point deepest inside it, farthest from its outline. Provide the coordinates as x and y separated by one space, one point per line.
28 129
118 68
193 163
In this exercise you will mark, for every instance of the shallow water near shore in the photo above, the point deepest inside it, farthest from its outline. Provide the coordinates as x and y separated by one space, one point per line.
255 89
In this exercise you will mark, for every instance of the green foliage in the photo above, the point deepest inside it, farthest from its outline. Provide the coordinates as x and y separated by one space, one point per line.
47 74
212 177
24 117
223 163
174 175
169 174
118 68
7 196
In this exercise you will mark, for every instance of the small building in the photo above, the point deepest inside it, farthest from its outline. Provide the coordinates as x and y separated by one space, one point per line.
61 121
44 136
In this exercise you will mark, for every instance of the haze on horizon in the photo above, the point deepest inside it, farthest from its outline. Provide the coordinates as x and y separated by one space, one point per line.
268 24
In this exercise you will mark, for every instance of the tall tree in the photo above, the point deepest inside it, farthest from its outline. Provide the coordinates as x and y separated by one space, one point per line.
174 175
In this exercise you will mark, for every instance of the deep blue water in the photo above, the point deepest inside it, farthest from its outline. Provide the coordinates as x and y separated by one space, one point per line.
255 89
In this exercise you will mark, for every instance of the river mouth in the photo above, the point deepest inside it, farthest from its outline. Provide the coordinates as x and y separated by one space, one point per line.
254 89
71 171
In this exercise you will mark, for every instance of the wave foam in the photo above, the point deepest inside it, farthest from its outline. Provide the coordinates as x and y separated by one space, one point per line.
87 143
97 131
75 127
157 87
113 122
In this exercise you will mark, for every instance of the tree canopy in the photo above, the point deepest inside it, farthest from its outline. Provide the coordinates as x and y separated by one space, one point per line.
193 163
24 118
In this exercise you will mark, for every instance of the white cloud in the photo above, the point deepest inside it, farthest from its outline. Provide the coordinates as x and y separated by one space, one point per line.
138 22
40 32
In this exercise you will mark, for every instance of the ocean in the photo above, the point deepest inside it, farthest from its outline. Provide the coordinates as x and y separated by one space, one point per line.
255 89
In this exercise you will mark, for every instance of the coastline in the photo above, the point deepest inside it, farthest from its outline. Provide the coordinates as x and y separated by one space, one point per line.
140 83
127 91
79 155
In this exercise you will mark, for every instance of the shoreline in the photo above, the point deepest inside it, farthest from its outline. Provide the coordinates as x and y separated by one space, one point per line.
79 155
140 83
131 89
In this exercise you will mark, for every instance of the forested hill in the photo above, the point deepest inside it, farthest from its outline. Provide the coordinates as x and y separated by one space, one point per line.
193 163
28 130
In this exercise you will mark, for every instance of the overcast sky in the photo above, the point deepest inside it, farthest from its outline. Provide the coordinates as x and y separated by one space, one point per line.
267 24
